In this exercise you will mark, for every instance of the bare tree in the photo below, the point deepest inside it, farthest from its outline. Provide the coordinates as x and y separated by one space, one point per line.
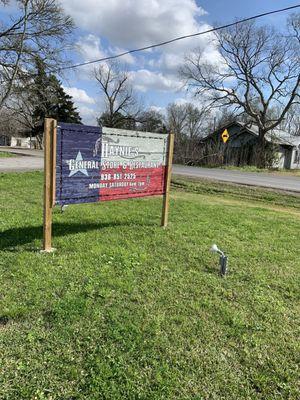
121 104
9 125
151 121
43 97
176 120
20 110
259 70
291 122
38 29
189 123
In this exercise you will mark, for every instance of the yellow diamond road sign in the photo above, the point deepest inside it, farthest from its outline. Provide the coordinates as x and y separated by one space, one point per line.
225 136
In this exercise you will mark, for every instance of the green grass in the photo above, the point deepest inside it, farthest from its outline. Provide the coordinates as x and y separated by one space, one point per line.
236 192
127 310
4 154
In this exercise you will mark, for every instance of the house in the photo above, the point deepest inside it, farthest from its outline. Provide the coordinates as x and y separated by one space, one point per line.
25 142
240 149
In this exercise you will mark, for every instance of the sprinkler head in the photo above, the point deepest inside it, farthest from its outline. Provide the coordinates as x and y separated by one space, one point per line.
223 259
214 248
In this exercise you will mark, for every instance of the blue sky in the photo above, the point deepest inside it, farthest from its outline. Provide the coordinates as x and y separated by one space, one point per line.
106 27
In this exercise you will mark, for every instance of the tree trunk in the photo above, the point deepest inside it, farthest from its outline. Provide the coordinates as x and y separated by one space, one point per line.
261 150
39 141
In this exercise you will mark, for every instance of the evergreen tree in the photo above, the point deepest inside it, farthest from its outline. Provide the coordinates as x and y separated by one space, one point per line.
49 100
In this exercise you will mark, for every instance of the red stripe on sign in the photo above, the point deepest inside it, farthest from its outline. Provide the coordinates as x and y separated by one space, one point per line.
124 183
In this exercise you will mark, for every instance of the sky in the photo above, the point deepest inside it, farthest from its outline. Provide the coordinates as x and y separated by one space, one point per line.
107 27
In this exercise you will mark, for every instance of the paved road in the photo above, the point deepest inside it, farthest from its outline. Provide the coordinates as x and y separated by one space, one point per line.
21 164
30 160
268 180
20 151
25 160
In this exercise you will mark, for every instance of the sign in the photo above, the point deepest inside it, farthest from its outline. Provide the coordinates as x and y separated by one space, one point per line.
225 135
85 164
110 164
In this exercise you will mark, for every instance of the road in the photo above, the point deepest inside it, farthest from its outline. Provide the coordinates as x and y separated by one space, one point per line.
25 160
267 180
19 151
29 160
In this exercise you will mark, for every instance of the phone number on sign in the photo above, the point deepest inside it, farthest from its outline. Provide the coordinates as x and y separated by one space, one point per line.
117 176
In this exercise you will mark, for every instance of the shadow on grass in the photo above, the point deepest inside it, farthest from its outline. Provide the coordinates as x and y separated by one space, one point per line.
24 235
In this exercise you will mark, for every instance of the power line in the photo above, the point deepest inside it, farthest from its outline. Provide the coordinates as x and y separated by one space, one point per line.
175 39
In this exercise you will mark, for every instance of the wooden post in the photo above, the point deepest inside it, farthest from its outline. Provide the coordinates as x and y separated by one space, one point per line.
53 162
166 197
49 180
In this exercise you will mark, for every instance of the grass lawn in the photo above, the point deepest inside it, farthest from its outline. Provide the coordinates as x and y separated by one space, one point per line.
4 154
126 310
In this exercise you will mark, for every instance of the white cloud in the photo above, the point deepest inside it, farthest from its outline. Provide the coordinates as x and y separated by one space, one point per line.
135 22
140 23
79 95
88 115
161 110
171 60
127 59
113 28
144 80
84 103
90 47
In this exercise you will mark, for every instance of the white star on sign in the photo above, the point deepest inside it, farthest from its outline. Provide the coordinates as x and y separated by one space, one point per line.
82 170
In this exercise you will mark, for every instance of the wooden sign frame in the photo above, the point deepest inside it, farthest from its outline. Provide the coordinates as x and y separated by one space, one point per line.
49 180
166 196
50 137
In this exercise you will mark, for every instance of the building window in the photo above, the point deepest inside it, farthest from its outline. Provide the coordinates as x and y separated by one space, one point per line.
297 157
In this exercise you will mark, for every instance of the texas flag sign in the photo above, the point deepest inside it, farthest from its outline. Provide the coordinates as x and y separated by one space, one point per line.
97 164
85 164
